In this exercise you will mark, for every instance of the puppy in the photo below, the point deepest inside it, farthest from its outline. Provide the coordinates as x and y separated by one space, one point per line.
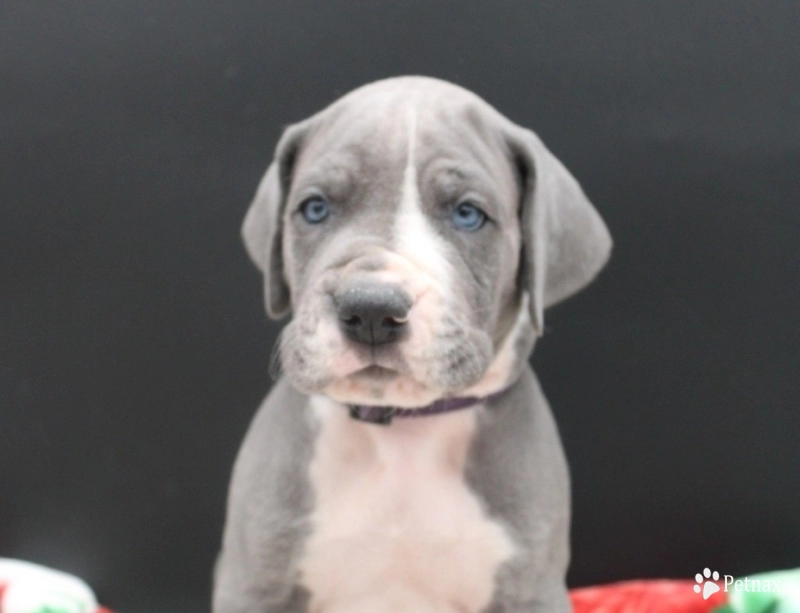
407 460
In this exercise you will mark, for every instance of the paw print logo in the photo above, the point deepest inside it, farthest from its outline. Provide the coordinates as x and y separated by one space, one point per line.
706 583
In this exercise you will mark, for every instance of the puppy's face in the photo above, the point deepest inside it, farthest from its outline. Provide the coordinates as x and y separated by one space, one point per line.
397 227
401 245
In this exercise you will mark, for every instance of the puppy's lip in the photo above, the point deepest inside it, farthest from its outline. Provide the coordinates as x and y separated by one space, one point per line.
374 373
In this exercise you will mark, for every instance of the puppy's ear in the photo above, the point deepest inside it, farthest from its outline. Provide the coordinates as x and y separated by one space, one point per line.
262 229
564 241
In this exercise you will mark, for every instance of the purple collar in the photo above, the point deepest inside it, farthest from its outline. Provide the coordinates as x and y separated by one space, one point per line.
384 415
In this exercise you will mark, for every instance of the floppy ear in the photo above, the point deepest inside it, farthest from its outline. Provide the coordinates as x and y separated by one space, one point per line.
564 241
262 229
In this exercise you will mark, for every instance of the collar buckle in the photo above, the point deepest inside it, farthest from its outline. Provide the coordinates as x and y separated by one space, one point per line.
381 416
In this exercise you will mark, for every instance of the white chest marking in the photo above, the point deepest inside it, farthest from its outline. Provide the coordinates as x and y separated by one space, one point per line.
395 527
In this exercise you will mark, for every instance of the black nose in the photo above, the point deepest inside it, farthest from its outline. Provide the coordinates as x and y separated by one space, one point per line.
372 313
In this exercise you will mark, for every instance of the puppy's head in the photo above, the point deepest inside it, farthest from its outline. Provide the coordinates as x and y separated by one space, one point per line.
417 236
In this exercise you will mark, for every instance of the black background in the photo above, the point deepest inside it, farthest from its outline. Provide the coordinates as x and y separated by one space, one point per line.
133 342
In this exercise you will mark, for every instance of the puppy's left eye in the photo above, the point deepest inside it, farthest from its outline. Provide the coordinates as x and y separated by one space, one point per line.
468 216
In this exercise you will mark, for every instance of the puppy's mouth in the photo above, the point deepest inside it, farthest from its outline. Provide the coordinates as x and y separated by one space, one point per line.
374 374
373 364
381 385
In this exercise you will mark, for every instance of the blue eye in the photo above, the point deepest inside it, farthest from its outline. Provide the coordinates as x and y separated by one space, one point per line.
468 217
315 209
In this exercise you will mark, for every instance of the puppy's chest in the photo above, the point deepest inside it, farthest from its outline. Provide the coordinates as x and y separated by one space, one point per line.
394 526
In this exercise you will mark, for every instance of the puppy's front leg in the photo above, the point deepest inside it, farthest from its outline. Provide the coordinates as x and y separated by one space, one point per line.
552 600
236 592
268 508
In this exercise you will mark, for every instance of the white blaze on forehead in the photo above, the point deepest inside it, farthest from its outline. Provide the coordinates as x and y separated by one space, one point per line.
414 238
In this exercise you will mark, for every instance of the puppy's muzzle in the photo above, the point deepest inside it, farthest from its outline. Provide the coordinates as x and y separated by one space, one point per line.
372 313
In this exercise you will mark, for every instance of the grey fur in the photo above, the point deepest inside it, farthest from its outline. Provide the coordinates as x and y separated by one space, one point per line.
517 466
545 239
268 507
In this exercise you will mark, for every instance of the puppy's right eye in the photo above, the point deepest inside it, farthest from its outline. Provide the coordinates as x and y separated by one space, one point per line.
315 209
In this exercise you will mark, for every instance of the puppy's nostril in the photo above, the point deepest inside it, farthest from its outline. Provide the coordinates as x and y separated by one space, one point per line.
353 320
392 322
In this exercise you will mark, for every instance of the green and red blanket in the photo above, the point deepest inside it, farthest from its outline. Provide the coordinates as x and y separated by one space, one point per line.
29 588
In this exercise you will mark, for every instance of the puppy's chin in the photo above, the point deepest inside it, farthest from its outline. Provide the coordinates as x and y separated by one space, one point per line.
378 386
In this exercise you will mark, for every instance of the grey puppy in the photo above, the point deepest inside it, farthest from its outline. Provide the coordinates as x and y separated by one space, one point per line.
408 461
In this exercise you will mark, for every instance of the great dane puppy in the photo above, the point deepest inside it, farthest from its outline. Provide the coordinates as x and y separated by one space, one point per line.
407 460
